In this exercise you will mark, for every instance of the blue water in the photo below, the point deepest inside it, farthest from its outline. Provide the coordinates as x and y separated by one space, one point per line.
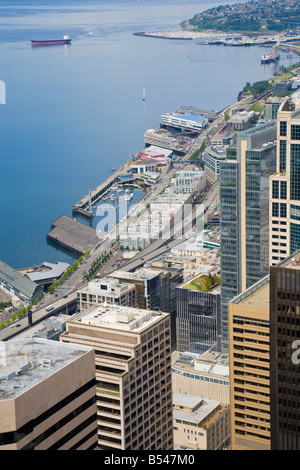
74 112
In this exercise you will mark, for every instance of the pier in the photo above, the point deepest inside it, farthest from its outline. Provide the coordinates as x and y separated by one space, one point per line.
73 235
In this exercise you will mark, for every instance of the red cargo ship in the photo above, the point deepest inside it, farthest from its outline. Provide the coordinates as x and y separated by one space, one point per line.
51 42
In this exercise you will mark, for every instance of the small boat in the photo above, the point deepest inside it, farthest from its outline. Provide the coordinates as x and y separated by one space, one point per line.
113 169
144 94
128 195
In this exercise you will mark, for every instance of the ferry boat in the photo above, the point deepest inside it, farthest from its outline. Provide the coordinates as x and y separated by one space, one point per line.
51 42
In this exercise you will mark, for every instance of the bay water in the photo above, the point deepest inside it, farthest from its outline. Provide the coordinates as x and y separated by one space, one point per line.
72 113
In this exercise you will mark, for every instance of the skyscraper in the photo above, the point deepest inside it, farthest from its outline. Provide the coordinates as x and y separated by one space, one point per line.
244 208
285 353
133 374
249 368
285 195
47 396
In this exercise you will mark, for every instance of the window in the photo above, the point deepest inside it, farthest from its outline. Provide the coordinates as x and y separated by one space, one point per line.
283 128
275 209
295 132
282 155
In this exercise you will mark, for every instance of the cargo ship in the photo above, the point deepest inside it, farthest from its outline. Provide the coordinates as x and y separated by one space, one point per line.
51 42
269 58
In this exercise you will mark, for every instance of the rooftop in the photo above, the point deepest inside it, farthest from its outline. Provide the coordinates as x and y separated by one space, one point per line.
199 414
25 363
256 295
119 318
18 281
209 363
140 274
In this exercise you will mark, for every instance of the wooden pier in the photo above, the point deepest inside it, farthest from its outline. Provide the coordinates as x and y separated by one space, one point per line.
73 235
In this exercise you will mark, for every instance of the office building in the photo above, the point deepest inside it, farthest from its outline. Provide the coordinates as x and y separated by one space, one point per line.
188 182
206 374
198 314
108 290
133 374
285 353
199 423
285 196
152 287
47 396
244 208
213 156
249 368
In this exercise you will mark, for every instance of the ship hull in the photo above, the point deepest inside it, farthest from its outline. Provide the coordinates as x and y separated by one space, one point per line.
51 42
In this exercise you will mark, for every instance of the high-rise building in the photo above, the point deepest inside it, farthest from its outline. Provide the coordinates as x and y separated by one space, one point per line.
47 396
285 353
249 368
152 287
198 315
108 290
133 374
244 208
285 182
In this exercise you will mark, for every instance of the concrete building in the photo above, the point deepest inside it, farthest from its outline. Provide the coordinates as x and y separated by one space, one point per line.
188 182
213 156
17 285
240 121
133 375
244 208
152 287
199 423
206 375
198 316
108 290
47 396
271 107
284 210
249 367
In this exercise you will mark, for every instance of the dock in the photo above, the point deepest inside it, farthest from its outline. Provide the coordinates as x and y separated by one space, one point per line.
73 235
84 206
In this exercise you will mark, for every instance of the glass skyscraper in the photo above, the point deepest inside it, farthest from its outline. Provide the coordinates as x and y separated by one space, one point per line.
244 209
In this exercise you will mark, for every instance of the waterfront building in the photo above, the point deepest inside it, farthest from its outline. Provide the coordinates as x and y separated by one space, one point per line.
108 290
158 154
199 423
133 374
18 286
213 156
244 207
188 182
156 221
285 196
205 374
284 353
168 139
191 122
47 273
47 396
249 368
207 113
198 314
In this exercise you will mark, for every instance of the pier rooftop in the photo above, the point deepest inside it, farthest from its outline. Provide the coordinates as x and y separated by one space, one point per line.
73 235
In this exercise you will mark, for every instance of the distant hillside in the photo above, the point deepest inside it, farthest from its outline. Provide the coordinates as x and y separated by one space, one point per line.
253 16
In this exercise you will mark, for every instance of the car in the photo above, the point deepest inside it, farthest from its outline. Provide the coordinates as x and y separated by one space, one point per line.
65 296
